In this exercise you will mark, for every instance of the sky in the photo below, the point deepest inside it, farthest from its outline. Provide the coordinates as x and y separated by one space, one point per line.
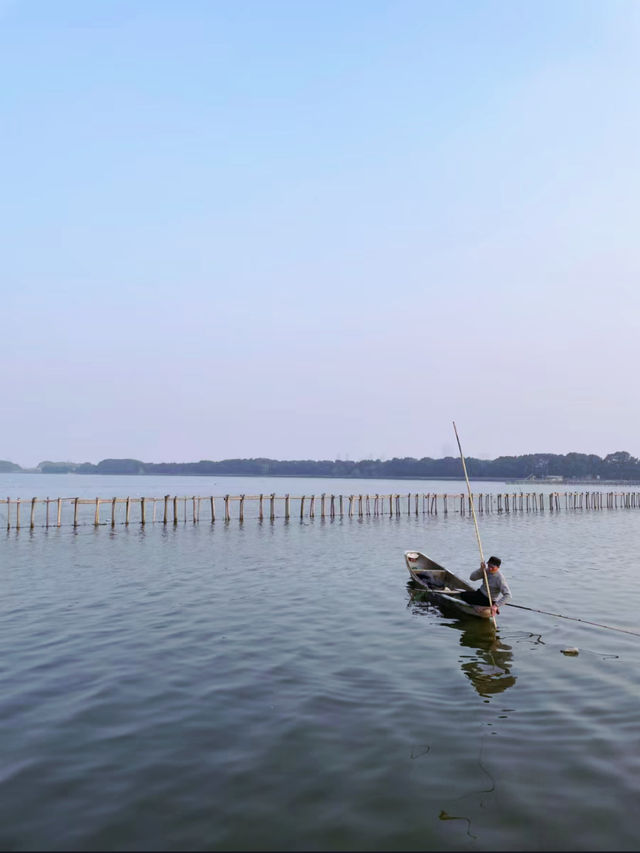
318 229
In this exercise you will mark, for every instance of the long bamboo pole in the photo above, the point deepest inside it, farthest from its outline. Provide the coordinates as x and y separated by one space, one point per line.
475 521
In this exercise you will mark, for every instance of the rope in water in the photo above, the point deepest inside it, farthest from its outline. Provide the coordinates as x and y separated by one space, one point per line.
576 619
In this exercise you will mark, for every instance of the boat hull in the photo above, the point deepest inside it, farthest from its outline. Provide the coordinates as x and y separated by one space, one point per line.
442 586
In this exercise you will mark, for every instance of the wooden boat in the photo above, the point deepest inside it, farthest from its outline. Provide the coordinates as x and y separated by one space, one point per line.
443 586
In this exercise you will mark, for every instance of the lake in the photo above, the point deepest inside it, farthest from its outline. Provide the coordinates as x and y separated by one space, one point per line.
275 686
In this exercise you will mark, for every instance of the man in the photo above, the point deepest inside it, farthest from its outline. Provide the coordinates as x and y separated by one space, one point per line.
498 587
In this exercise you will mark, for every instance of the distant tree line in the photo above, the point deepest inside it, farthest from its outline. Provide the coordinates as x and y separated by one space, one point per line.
572 466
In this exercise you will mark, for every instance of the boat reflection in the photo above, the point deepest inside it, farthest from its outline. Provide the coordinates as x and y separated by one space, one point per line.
488 661
488 665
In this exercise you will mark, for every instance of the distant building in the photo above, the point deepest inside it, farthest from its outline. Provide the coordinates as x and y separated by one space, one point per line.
543 478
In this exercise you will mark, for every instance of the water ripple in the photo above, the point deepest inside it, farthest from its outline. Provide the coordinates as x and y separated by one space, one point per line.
279 689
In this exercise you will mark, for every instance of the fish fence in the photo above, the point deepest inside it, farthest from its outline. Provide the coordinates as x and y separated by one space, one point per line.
172 510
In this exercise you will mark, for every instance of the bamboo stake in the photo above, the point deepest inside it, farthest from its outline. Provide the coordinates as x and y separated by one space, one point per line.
475 522
330 504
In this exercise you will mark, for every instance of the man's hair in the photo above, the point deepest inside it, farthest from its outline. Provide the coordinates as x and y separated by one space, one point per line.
494 561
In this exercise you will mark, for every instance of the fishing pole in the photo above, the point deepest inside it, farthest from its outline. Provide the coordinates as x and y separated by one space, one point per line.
574 619
475 521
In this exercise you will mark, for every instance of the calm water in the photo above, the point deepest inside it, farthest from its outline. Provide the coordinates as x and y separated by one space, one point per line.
274 686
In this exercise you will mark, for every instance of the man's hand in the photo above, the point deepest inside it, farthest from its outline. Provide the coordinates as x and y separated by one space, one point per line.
494 609
483 565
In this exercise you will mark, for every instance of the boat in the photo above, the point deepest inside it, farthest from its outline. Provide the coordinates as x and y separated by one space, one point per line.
441 584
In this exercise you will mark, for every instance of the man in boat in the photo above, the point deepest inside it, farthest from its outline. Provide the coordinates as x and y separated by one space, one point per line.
498 587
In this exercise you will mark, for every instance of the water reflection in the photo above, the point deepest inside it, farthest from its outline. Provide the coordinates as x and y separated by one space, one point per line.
488 662
488 667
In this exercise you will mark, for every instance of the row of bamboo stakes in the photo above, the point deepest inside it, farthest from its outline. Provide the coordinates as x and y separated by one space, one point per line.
175 509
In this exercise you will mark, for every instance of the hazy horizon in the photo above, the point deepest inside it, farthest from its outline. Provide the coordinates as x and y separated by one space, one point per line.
319 230
283 459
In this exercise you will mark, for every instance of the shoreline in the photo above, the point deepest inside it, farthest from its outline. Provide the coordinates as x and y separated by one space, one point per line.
506 481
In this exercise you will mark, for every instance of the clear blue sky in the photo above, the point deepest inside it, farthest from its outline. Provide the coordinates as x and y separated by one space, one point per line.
318 229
